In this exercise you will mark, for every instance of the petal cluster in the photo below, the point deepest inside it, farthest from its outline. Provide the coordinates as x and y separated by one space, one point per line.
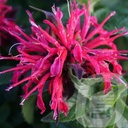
45 55
4 19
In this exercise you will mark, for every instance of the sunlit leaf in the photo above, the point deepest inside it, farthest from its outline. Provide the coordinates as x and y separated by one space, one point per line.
119 117
86 86
122 108
111 97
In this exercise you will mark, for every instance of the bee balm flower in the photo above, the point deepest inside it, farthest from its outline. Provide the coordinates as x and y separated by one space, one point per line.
4 20
47 54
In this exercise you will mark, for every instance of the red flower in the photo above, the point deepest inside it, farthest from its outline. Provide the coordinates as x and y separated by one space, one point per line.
47 54
4 19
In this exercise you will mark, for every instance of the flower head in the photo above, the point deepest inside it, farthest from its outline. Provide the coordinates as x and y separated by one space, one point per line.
47 54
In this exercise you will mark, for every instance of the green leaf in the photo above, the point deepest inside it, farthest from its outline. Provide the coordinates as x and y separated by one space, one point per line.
64 9
104 105
120 116
122 108
28 109
4 112
85 121
100 108
124 94
122 122
118 120
77 107
86 86
111 97
75 124
48 118
111 121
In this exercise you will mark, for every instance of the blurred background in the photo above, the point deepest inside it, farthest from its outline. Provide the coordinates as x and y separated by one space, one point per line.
12 115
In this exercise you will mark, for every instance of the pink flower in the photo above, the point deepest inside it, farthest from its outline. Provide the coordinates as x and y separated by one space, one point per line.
4 20
47 54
